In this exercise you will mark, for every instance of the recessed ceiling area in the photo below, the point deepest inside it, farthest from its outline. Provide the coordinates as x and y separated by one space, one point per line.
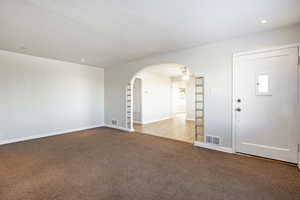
105 33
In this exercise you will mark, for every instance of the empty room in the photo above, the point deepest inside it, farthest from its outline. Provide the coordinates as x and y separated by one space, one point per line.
156 100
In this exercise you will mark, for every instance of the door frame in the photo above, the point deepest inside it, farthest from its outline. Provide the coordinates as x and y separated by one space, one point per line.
234 86
141 99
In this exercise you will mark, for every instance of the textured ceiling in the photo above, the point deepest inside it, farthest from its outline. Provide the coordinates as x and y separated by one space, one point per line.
117 31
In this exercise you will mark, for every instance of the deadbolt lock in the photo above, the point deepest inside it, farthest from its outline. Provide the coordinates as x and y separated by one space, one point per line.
238 109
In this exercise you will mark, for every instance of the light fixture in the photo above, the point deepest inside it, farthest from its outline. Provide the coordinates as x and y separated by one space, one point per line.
185 74
185 77
263 21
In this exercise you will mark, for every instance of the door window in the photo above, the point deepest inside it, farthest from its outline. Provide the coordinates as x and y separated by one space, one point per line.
263 84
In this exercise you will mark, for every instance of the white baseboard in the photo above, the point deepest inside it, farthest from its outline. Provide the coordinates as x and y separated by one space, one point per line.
14 140
119 128
137 122
156 120
190 119
214 147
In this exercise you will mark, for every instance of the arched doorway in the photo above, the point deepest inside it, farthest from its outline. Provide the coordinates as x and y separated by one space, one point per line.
194 102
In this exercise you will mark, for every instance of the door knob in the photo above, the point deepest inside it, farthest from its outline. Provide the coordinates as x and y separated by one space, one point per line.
238 109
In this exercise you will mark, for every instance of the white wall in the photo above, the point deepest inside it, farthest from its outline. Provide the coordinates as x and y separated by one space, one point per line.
178 104
41 96
156 97
214 61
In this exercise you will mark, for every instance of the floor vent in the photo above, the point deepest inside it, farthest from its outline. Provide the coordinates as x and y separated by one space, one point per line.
210 139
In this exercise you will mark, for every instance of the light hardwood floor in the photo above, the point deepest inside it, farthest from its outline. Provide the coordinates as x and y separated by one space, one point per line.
177 128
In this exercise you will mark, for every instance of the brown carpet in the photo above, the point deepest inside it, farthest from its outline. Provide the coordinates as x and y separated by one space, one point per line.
109 164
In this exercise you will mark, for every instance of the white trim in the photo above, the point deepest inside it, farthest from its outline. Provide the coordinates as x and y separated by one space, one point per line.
119 128
190 119
267 49
265 146
234 83
156 120
132 100
214 147
14 140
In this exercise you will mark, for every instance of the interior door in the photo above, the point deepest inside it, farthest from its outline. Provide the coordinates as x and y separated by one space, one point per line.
267 103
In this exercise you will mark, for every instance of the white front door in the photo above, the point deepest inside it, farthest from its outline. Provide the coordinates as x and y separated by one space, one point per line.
266 104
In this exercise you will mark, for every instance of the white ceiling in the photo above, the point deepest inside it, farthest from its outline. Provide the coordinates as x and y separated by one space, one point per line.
116 31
